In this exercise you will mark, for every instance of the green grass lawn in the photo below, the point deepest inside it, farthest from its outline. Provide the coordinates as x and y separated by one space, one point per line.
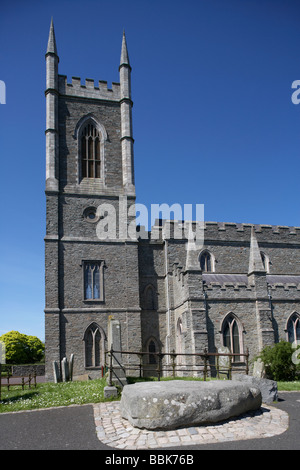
289 386
47 395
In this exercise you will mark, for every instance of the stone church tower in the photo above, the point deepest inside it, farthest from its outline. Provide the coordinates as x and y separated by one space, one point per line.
90 283
106 284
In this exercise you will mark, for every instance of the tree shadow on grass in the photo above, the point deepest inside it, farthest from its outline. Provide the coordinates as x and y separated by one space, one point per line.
15 398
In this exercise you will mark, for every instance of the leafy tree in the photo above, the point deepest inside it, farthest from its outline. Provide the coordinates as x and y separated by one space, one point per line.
278 361
21 348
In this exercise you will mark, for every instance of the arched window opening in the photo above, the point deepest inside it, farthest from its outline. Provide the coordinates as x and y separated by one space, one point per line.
293 328
94 346
152 350
93 280
206 262
231 336
179 336
90 152
149 298
180 347
265 260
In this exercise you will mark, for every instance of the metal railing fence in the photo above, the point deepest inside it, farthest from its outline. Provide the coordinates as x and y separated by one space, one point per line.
174 364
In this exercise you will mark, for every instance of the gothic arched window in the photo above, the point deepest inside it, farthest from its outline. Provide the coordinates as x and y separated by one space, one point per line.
231 335
293 328
94 346
206 261
152 349
90 152
149 298
266 261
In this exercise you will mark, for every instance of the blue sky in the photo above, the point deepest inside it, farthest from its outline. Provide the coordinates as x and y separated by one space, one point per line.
213 119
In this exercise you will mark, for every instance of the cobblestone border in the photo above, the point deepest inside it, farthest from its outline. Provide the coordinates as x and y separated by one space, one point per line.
117 432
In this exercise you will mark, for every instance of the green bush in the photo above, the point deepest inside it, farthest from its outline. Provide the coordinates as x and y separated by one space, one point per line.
21 348
278 362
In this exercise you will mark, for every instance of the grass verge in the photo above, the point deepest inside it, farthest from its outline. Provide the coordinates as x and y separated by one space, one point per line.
48 395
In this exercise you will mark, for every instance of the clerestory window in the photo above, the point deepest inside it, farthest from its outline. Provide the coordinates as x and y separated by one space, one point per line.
206 262
90 152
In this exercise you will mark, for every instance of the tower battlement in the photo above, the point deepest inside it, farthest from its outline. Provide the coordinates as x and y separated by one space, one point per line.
223 231
88 90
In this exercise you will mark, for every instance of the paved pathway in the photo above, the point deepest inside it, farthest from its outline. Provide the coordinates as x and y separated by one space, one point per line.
117 432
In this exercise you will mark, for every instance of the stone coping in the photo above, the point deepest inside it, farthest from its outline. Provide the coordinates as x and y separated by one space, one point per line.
118 433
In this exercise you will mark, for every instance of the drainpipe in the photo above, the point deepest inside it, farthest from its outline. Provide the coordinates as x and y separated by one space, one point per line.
168 303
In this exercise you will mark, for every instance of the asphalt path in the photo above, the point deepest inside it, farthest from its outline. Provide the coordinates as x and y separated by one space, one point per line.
73 428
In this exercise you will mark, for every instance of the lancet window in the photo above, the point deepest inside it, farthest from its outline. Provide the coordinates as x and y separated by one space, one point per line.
90 152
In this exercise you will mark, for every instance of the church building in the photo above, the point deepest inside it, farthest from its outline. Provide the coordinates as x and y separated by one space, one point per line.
240 289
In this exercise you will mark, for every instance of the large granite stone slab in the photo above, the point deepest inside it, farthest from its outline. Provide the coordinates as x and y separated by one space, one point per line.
177 403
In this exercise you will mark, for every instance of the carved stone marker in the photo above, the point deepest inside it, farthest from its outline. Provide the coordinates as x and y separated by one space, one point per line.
176 403
114 340
259 370
65 369
224 363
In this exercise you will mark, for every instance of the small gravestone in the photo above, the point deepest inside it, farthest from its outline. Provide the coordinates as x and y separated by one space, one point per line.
71 364
65 369
224 363
259 370
56 373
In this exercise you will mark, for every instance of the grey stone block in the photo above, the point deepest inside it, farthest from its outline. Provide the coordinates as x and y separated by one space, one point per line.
170 405
268 388
110 392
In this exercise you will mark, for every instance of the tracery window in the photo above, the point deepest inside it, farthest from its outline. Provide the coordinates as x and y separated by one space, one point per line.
206 261
93 280
231 336
94 346
293 328
90 152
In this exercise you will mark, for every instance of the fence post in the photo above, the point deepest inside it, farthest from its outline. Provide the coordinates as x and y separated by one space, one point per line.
205 364
141 364
0 379
173 356
230 367
110 368
247 362
159 366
